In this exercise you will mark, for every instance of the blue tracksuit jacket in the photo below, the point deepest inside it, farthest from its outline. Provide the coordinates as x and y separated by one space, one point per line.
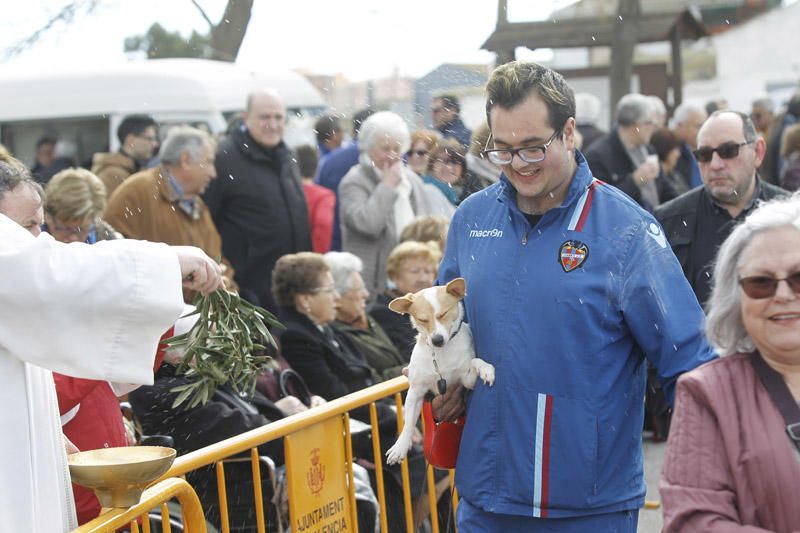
567 312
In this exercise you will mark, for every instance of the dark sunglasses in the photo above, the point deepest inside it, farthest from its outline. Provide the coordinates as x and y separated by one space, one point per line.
727 150
418 153
760 287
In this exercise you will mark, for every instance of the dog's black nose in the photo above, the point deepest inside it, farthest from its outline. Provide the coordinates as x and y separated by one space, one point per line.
437 341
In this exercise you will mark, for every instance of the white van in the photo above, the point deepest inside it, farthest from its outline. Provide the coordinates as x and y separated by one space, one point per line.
85 107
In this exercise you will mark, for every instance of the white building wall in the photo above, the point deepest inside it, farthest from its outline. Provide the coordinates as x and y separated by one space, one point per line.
757 58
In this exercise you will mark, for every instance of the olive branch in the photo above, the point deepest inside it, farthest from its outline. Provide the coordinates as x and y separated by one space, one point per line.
225 345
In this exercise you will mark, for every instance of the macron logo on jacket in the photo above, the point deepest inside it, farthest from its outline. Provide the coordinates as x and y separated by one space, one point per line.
494 232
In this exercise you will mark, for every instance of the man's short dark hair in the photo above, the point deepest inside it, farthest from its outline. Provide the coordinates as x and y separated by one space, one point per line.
359 118
449 101
510 84
134 125
47 139
307 160
326 127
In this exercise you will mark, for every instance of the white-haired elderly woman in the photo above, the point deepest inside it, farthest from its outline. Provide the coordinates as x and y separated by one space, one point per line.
731 464
380 196
352 320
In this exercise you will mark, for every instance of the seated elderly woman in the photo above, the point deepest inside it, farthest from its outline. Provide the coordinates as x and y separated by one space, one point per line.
330 363
732 464
353 321
380 196
75 200
411 267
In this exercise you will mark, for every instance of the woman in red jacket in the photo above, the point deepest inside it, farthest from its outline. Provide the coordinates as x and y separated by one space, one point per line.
731 465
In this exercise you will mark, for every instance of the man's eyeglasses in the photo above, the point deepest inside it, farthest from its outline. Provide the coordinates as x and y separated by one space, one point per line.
727 150
435 110
418 153
449 161
148 138
529 154
760 287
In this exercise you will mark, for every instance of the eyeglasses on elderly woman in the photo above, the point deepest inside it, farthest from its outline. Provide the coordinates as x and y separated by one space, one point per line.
761 287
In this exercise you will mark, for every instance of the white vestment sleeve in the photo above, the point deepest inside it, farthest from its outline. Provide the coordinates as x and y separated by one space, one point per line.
88 311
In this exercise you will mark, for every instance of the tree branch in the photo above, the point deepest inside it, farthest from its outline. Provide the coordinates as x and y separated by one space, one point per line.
67 15
202 12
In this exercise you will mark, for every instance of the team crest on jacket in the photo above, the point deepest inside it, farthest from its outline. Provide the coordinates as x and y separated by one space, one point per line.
572 255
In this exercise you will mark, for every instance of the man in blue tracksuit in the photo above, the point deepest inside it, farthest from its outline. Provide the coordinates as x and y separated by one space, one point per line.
570 287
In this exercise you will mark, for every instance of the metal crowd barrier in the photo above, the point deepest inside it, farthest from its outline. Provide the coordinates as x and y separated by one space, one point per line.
157 495
168 487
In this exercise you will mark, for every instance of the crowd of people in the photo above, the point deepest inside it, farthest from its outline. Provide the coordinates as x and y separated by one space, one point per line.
600 266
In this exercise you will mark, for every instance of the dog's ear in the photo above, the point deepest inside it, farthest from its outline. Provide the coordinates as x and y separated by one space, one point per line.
401 305
457 288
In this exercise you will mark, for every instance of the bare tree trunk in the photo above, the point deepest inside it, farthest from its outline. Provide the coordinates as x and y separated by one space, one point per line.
227 35
623 44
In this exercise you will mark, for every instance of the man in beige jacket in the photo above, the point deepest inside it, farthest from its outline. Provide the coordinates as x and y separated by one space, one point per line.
138 139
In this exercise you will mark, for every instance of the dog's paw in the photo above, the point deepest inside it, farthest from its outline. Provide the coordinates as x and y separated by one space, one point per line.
397 453
486 373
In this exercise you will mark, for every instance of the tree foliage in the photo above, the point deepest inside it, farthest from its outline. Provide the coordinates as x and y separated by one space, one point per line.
158 42
222 42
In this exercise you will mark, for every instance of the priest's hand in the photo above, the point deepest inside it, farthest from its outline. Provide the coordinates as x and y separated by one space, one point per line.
199 272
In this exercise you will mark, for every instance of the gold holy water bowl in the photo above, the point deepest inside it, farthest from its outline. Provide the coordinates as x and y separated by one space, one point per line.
118 476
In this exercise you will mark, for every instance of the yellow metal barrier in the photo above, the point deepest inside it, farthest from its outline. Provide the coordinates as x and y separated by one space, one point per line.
215 454
155 496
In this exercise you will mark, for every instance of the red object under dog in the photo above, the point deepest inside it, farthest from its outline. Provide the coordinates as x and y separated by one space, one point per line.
442 439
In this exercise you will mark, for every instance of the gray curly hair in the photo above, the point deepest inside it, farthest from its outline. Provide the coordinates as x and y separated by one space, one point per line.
725 326
343 265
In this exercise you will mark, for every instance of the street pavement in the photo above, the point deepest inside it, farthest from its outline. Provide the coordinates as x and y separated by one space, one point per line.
650 520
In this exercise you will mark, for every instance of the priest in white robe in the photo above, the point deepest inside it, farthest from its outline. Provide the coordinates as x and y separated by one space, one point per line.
88 311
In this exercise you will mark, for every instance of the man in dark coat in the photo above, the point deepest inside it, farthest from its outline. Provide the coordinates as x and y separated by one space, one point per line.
687 120
697 222
447 119
225 415
257 203
624 157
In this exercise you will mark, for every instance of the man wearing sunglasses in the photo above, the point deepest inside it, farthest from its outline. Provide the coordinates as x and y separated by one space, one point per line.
572 287
729 150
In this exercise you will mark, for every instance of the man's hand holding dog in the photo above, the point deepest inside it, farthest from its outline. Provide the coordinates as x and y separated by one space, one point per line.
450 405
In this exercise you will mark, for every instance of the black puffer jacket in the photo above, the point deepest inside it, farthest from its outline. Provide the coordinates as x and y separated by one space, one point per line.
258 206
225 415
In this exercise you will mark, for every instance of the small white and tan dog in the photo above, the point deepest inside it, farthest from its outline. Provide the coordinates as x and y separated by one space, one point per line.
443 355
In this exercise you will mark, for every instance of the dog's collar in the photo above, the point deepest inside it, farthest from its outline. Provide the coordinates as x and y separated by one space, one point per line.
442 383
460 323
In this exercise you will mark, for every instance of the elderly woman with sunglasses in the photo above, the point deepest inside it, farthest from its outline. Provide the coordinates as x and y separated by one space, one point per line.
731 463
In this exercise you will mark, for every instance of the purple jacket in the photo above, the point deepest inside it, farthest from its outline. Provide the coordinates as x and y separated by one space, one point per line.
729 466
